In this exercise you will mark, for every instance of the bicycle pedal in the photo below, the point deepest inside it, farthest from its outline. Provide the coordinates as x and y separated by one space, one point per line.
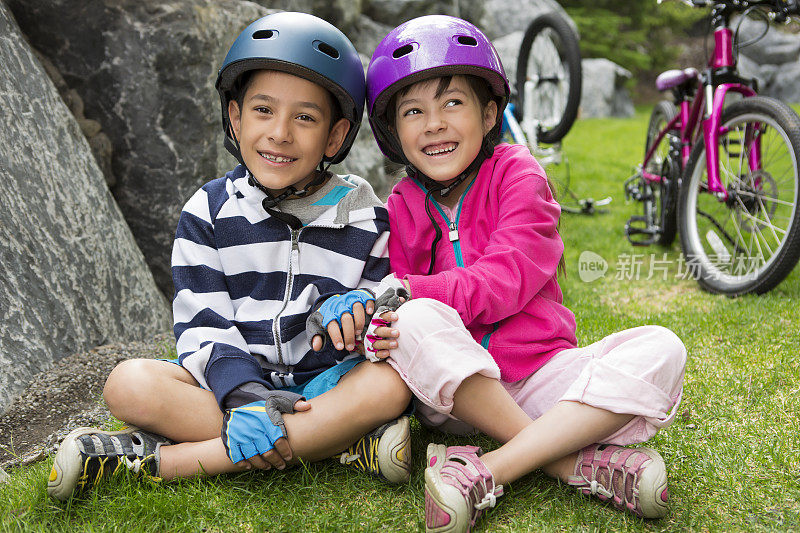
631 187
636 235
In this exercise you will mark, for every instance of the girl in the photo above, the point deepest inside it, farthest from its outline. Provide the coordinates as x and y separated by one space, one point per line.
485 342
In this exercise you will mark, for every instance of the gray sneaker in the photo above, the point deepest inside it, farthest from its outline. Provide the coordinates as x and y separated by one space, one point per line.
88 455
384 451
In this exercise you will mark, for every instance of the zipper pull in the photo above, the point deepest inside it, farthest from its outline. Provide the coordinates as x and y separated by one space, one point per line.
453 232
295 238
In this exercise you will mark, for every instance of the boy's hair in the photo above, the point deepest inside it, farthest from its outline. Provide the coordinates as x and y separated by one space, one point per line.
244 81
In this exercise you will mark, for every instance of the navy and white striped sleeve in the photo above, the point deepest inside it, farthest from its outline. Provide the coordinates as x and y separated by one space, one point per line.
209 345
376 266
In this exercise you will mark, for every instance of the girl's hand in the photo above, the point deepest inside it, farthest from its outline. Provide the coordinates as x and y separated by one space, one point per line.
381 337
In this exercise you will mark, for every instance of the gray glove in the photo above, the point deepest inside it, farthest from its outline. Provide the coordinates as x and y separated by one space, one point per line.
277 402
390 299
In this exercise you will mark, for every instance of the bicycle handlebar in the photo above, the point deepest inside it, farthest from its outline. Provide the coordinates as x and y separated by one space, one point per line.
782 9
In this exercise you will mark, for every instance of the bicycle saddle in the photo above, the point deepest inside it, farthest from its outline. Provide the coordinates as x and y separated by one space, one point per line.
673 78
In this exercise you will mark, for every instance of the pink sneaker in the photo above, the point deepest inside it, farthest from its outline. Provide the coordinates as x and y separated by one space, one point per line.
458 487
633 479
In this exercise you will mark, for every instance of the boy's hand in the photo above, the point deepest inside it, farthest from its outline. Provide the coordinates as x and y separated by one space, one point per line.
342 317
254 433
349 333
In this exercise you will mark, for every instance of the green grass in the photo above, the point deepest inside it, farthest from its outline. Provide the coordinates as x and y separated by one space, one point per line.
733 454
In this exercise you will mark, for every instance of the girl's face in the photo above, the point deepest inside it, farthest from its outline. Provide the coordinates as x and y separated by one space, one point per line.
442 135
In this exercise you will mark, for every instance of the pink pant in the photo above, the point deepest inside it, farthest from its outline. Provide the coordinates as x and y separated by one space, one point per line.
637 371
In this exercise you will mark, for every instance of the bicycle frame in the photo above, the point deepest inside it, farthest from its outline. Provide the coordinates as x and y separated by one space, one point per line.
709 98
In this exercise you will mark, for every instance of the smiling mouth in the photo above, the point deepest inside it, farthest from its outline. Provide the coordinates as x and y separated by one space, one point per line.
439 149
276 158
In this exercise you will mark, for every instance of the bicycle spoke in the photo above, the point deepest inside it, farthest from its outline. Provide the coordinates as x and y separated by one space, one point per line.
770 198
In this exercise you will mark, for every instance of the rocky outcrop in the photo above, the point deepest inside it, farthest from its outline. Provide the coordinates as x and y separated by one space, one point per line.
71 275
774 60
501 17
145 70
603 93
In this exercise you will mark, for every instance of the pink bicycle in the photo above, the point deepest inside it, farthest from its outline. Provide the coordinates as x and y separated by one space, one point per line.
721 169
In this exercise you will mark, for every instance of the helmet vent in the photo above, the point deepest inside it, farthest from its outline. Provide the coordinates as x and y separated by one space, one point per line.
467 40
265 34
402 51
327 49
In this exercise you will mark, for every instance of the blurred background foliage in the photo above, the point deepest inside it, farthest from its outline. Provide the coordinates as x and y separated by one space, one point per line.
641 35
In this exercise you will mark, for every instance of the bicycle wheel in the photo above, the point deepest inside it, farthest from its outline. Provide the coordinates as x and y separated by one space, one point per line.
751 241
659 199
549 65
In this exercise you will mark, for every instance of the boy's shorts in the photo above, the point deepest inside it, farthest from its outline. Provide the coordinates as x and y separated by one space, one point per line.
325 381
321 383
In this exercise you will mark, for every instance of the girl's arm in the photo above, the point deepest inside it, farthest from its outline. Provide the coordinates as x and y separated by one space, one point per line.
522 254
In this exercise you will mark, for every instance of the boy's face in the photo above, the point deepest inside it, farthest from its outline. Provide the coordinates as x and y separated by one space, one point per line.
283 129
441 135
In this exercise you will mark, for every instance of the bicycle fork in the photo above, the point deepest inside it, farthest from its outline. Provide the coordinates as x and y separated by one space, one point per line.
711 134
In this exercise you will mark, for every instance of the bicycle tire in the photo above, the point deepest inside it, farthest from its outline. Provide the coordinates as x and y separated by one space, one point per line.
762 211
660 200
558 59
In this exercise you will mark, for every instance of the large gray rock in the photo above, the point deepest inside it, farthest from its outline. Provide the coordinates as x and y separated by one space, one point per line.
508 49
603 91
145 70
367 35
71 275
395 12
775 48
501 17
777 81
773 60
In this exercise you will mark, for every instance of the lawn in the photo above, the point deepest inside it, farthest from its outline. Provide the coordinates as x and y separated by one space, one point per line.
733 453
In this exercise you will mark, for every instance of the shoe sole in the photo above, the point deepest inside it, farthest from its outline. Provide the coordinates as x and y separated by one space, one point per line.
439 492
67 465
394 452
653 486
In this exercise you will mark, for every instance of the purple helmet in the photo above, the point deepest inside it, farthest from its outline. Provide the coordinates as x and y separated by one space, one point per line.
427 47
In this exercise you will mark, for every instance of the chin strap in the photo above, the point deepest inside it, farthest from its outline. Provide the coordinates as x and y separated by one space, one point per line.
271 202
432 186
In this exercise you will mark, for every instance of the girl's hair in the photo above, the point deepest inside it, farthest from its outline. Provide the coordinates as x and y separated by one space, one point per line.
484 95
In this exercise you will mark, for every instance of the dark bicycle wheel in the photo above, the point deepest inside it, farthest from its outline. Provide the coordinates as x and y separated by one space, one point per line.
750 240
548 82
660 199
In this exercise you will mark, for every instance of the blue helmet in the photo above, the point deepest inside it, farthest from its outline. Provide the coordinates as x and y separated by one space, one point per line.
303 45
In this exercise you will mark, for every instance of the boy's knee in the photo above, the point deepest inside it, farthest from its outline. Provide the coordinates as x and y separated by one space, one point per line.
127 385
388 390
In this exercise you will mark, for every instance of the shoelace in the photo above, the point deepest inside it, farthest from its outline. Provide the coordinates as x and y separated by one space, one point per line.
364 453
628 476
473 485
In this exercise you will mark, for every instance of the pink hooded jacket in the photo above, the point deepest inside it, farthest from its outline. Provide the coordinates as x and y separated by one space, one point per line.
496 262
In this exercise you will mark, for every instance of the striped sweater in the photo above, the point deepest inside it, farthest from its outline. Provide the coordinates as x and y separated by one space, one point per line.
245 282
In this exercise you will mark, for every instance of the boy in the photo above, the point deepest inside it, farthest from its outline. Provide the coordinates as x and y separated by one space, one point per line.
255 252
